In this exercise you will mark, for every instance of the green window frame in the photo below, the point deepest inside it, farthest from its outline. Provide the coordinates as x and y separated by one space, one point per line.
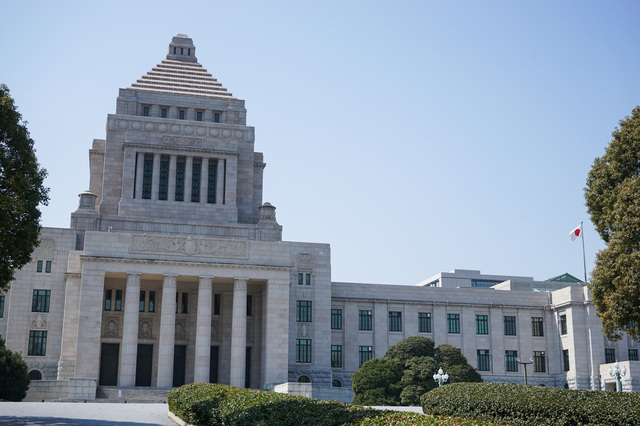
509 325
303 350
539 362
511 361
453 323
537 327
484 360
336 356
336 319
37 343
563 324
395 321
565 360
365 320
40 301
424 322
365 354
482 324
303 311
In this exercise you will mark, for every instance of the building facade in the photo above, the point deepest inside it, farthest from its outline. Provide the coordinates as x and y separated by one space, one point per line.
174 271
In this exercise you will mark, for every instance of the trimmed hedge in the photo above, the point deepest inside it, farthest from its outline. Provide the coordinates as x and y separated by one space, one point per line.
216 404
520 405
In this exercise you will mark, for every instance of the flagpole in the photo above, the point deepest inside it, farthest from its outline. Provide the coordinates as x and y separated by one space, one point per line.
584 258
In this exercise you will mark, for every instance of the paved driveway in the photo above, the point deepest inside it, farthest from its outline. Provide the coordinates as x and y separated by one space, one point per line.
90 414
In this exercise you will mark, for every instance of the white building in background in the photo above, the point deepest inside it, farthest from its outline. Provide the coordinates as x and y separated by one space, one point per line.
174 271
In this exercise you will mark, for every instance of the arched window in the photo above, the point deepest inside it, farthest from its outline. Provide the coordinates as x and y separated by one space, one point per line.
336 383
304 379
35 375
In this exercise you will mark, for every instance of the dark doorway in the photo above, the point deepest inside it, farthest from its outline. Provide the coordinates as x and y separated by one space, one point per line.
247 369
213 364
143 365
109 364
179 359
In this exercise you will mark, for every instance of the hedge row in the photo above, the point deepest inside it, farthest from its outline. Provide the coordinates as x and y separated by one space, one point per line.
215 404
520 405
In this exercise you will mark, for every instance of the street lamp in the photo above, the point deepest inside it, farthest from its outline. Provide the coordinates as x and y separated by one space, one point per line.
525 367
617 373
441 377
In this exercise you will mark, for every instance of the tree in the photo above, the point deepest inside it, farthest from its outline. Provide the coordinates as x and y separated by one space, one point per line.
406 372
14 375
377 382
612 197
21 191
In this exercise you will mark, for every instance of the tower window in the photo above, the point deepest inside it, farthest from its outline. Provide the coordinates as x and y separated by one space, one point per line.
195 182
198 115
216 117
211 181
181 114
163 113
145 111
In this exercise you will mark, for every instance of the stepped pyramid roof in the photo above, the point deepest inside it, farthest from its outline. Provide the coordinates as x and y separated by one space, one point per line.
181 74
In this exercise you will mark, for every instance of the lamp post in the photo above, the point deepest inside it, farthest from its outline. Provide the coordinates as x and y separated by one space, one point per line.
525 367
617 373
441 377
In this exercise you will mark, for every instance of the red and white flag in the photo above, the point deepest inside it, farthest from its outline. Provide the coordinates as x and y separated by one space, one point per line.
576 233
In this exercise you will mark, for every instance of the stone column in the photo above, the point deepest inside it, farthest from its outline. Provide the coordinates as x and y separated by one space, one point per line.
203 331
188 175
238 333
130 331
204 180
139 175
90 320
220 183
155 181
275 358
171 189
68 350
166 339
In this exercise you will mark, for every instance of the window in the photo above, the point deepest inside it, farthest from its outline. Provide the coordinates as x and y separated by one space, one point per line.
303 310
199 116
1 306
539 362
180 167
181 114
633 353
142 300
163 183
152 301
216 304
211 182
565 360
395 321
163 113
511 360
304 379
509 326
424 322
453 323
484 283
37 343
195 182
609 355
47 267
249 305
300 279
336 356
40 302
482 324
537 328
35 375
185 303
563 324
484 360
366 353
303 350
216 117
39 266
336 383
336 319
118 306
147 175
307 279
365 322
145 111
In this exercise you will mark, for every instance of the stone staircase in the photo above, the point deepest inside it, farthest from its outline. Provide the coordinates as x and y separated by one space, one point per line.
131 395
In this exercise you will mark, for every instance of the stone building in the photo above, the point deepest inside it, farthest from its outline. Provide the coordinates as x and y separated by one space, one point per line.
174 271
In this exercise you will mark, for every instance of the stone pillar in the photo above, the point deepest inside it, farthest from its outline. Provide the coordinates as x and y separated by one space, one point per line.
275 358
238 333
204 180
171 189
90 308
139 175
155 180
166 339
203 331
130 331
68 350
188 175
220 182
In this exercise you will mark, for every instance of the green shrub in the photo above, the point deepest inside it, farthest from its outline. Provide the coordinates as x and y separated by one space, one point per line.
14 375
520 405
215 404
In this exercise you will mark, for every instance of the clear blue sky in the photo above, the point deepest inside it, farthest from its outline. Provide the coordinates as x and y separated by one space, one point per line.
413 136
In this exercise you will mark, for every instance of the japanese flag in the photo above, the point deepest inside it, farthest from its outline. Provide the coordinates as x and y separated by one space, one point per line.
576 233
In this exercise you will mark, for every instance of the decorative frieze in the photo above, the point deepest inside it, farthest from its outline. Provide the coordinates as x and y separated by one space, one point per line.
304 261
111 326
182 331
39 322
168 140
176 245
145 328
45 248
304 330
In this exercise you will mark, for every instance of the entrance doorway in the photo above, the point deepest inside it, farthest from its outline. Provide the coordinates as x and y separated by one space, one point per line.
109 355
179 360
213 364
143 365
